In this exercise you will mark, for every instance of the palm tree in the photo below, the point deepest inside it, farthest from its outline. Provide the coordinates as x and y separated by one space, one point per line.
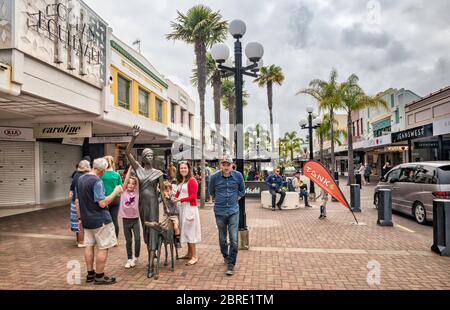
228 95
258 132
353 99
292 143
323 132
328 96
268 76
283 150
213 78
201 27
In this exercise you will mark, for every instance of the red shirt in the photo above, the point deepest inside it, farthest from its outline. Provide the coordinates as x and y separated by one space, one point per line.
192 186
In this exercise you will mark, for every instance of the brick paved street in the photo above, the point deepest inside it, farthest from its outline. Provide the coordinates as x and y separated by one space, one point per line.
289 250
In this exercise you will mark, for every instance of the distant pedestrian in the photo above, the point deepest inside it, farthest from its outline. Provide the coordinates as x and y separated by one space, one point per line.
75 224
227 188
98 227
386 168
323 205
367 173
362 173
111 179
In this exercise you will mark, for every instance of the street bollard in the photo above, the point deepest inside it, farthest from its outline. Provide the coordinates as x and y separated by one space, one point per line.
385 207
336 179
441 227
355 198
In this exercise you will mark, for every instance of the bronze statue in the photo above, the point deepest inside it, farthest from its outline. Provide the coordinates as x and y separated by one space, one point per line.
149 180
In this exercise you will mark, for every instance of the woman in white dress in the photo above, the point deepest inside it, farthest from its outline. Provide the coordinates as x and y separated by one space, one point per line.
187 188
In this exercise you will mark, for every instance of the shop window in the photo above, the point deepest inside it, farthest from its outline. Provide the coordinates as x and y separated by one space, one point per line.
392 101
362 126
182 118
397 116
124 92
143 103
159 110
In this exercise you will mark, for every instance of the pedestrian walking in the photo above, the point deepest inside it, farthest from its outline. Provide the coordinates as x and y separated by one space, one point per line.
111 179
362 173
83 167
385 169
227 187
98 226
187 189
367 173
323 205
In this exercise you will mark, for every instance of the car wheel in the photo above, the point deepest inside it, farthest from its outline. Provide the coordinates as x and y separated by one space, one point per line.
419 213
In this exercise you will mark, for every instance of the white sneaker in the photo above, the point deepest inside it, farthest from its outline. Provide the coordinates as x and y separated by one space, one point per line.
135 261
129 264
132 262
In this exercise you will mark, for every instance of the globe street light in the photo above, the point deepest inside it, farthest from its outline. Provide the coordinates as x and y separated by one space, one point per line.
254 52
311 123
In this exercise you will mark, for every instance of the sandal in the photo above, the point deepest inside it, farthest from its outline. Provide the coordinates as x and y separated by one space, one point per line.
193 261
186 257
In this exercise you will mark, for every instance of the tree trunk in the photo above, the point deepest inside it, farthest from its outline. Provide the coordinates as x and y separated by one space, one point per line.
351 168
292 154
321 149
269 101
332 166
217 85
200 53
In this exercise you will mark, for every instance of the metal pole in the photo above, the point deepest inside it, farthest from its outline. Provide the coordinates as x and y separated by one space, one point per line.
311 154
239 126
410 152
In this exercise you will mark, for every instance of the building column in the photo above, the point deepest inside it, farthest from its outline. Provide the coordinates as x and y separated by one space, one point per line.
440 147
409 151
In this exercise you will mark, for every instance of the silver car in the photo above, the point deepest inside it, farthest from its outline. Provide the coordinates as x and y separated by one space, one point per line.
415 185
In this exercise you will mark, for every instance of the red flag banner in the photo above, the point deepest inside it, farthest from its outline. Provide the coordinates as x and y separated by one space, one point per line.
317 173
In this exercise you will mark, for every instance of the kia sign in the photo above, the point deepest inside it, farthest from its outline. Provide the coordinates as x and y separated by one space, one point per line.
16 134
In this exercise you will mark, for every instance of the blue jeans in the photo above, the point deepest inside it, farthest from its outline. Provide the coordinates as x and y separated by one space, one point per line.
304 194
230 223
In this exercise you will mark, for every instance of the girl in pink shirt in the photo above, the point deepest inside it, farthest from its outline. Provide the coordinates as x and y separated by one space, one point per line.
129 212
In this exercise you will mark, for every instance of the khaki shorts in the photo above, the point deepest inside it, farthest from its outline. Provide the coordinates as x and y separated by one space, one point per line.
173 218
104 237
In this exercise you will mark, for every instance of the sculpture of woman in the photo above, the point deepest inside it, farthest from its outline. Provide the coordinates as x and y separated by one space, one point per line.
149 180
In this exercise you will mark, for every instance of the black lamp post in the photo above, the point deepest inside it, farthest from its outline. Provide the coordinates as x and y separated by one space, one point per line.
310 124
254 51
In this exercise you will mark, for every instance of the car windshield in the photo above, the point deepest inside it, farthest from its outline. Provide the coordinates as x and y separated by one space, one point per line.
444 174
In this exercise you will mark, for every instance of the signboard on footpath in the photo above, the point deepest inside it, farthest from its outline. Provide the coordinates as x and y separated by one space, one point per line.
63 130
16 134
110 140
254 189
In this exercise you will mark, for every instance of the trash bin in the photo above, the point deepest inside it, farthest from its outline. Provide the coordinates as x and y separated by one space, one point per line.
441 227
385 207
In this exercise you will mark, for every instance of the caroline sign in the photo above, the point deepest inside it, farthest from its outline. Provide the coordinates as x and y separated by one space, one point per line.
69 32
64 130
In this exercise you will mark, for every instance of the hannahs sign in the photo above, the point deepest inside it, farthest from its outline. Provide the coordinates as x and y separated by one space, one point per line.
413 133
64 130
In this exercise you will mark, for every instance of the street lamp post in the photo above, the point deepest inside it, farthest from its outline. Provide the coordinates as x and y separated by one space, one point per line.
254 52
310 124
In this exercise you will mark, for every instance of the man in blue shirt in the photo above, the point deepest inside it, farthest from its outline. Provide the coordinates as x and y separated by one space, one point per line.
275 183
91 205
226 186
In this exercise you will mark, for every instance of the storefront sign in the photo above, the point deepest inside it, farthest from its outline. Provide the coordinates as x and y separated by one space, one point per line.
426 145
441 127
73 141
254 189
414 133
379 141
63 130
109 140
393 149
65 33
16 134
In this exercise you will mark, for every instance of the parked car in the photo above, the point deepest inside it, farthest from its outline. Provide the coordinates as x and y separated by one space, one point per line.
414 186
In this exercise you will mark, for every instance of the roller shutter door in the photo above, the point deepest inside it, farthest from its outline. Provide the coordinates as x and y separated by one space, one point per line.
17 173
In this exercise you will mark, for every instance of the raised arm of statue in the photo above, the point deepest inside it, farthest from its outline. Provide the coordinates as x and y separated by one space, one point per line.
131 159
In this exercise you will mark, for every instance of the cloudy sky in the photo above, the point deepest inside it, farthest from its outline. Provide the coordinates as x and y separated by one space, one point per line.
400 44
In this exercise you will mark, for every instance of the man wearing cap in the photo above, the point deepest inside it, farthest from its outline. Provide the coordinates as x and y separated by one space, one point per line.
226 186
